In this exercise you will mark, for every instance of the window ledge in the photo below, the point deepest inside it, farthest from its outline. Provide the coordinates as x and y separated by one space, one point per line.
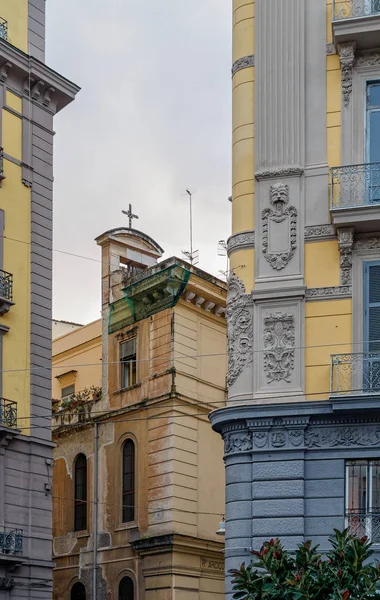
82 534
126 526
127 389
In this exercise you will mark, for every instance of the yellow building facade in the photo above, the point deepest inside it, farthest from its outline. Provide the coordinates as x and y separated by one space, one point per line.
31 94
153 491
304 254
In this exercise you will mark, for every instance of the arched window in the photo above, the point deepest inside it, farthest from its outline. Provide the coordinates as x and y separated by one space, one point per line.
126 589
128 497
78 592
80 493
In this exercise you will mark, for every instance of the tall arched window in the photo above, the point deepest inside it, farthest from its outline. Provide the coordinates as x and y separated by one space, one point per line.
80 493
126 589
78 591
128 497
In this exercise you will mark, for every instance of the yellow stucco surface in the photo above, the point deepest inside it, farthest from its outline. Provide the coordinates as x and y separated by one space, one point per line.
13 101
16 13
322 264
12 135
15 201
242 263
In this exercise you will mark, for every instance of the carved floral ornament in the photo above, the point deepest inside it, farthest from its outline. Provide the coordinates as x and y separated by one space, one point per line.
346 245
279 221
239 329
279 342
347 59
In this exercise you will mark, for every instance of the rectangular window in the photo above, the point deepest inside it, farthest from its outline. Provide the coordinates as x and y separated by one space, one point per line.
363 498
371 302
128 363
373 143
67 391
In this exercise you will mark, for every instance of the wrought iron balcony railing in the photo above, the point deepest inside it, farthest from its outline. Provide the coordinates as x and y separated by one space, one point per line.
11 542
355 185
3 29
365 523
6 285
8 413
355 374
354 9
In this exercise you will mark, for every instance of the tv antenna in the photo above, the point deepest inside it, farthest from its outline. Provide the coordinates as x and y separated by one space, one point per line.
191 255
222 251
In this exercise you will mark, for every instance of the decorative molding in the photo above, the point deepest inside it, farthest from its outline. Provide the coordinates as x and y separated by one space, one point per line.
36 90
4 71
291 171
319 232
368 435
48 95
238 442
368 59
347 58
346 244
279 343
330 49
240 241
239 329
243 63
369 243
279 198
329 293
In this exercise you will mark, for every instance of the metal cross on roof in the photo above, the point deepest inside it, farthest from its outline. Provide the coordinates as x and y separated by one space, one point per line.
130 215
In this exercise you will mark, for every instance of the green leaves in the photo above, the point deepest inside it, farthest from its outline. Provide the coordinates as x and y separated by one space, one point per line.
277 574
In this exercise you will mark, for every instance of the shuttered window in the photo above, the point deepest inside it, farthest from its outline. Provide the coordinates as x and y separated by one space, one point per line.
128 495
371 356
80 490
128 363
126 591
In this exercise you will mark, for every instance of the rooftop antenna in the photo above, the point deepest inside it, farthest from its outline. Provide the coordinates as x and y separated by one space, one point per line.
191 255
222 251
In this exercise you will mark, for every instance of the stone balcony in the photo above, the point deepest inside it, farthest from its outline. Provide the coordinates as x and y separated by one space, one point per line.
355 197
11 545
356 21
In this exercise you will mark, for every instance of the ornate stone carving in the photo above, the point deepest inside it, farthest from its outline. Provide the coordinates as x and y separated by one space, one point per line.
369 243
279 214
279 342
319 231
278 439
291 171
347 58
243 63
346 244
342 436
260 439
330 49
4 71
239 329
329 293
48 95
237 442
368 59
245 239
296 437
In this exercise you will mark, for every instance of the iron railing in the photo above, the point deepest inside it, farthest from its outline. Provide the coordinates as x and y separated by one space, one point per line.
3 29
364 523
11 542
355 374
355 185
354 9
6 285
8 413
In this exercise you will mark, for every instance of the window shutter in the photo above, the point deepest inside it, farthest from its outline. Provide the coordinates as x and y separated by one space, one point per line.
128 348
373 307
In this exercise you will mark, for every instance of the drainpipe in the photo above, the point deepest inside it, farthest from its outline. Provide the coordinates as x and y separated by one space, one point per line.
95 516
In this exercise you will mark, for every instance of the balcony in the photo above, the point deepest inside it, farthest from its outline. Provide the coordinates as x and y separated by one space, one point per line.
3 29
356 374
11 545
355 196
6 291
364 523
8 413
356 21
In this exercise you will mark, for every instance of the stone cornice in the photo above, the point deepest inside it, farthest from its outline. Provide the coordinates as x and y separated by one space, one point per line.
329 293
276 173
240 241
319 232
243 63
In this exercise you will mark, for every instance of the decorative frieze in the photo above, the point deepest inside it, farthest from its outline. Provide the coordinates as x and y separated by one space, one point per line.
239 329
291 171
368 59
238 442
279 228
369 243
319 232
347 59
243 63
346 244
279 343
342 436
240 241
329 293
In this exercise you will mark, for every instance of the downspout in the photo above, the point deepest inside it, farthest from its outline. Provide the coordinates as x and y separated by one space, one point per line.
95 516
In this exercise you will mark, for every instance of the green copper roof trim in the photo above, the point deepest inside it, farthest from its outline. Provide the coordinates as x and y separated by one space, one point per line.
148 296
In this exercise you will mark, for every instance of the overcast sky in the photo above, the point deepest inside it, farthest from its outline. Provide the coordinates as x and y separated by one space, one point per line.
152 119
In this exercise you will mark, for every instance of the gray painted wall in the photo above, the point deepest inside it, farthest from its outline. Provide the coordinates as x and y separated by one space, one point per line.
36 26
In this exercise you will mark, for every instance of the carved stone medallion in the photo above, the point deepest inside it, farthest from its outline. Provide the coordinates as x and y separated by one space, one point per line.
279 228
239 329
279 342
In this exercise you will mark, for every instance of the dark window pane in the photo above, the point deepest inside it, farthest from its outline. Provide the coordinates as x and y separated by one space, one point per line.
128 496
128 363
374 139
375 486
357 486
374 89
126 589
78 592
67 391
80 493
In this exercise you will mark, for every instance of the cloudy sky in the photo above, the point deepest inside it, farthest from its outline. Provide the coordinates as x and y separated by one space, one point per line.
152 119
